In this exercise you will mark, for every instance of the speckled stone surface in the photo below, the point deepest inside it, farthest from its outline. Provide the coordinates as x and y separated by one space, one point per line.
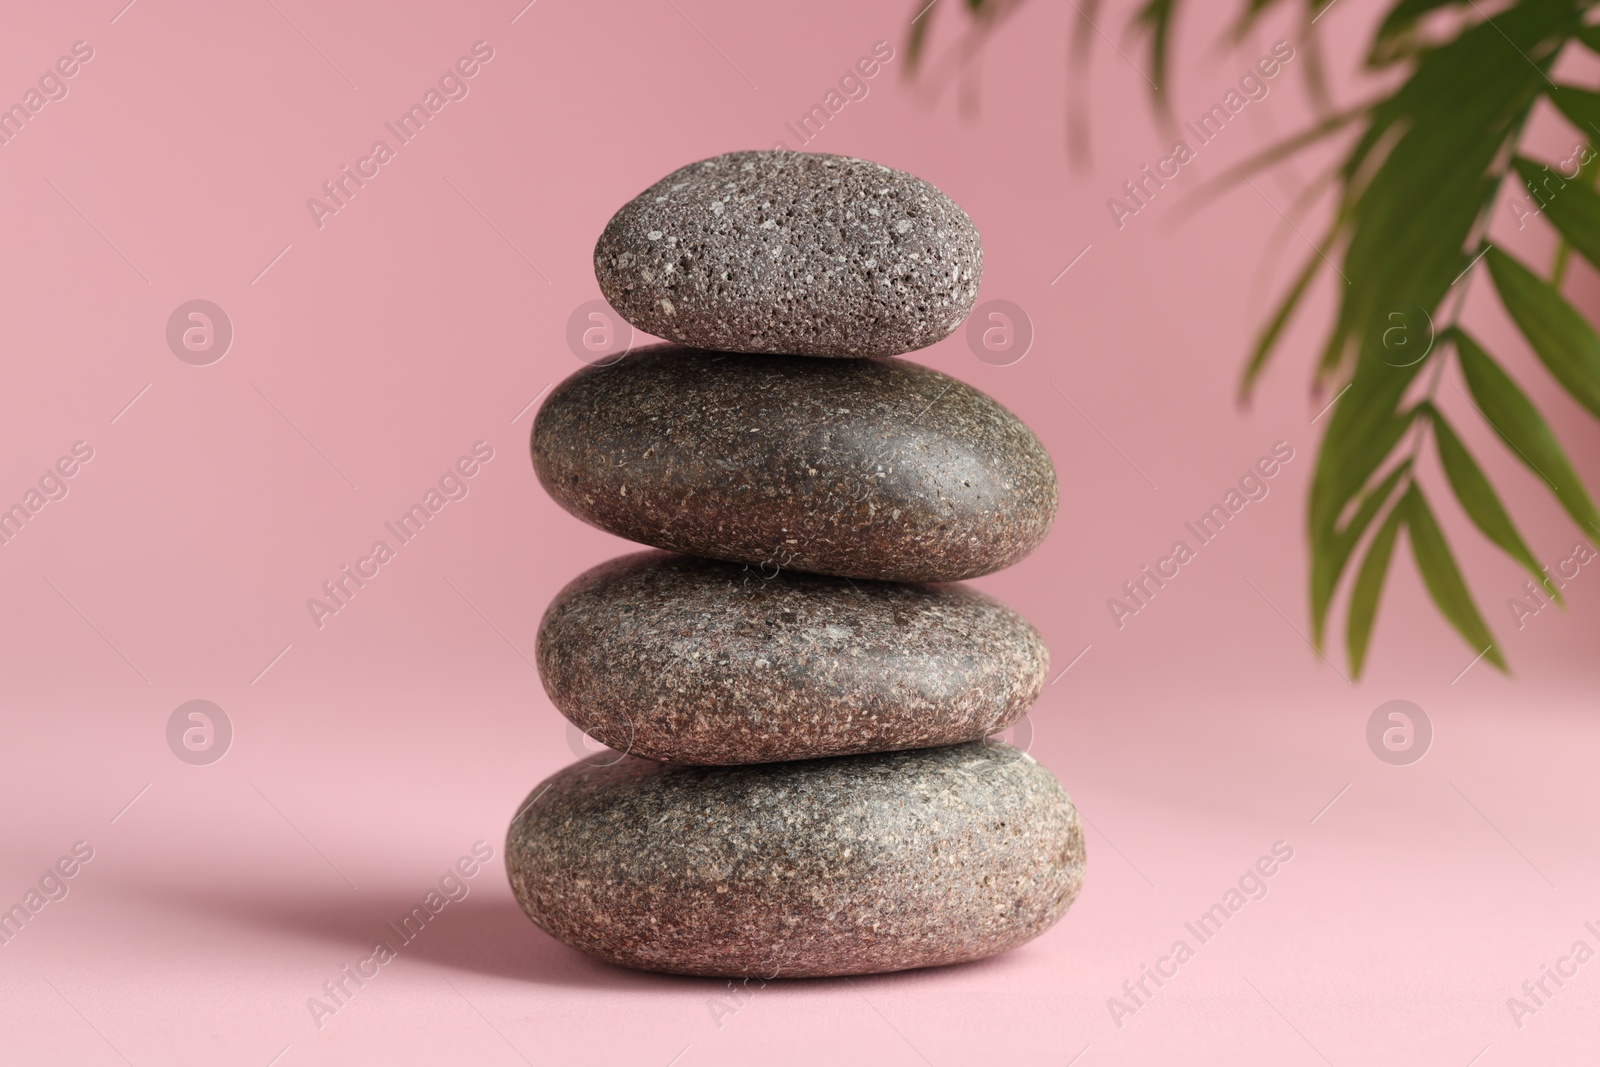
793 252
851 865
879 469
695 661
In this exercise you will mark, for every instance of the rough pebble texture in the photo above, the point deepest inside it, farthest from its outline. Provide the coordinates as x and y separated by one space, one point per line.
880 469
851 865
792 252
695 661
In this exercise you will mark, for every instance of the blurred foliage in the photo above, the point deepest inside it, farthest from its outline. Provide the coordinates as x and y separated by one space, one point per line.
1413 194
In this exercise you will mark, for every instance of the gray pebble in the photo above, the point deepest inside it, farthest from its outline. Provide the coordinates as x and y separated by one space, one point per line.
851 865
695 661
792 252
880 469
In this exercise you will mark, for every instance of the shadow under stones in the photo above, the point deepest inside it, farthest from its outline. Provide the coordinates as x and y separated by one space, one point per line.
485 933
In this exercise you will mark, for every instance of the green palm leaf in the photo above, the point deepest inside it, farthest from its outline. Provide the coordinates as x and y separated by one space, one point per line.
1416 188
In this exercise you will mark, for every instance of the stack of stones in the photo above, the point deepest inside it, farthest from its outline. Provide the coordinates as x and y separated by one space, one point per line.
803 699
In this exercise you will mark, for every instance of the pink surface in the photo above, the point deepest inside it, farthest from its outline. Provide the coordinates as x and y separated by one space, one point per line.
371 753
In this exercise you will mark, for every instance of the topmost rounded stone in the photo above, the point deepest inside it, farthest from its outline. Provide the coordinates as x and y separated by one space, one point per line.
792 252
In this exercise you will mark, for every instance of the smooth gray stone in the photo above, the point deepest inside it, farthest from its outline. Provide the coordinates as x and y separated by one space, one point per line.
850 865
793 252
695 661
880 469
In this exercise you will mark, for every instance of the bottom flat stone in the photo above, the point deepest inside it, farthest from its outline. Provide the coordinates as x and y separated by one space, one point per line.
850 865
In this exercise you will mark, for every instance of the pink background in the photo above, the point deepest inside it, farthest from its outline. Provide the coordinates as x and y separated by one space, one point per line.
429 312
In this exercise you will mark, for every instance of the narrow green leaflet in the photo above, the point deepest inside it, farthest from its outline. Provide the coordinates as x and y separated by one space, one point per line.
1587 172
1269 336
1477 496
1443 578
1564 341
1580 106
918 39
1572 207
1332 553
1520 425
1368 588
1155 18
